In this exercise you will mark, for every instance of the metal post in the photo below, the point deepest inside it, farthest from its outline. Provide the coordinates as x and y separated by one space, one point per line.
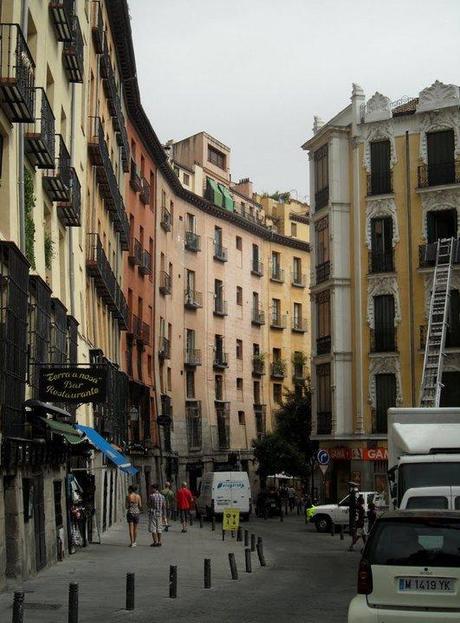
223 534
246 538
173 581
260 554
259 539
18 607
130 591
190 518
239 534
201 521
332 529
213 523
247 556
253 542
233 569
281 514
207 573
341 532
73 603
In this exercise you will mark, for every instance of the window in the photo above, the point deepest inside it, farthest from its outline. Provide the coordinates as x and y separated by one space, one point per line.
453 327
385 397
441 157
297 270
216 157
277 393
256 392
380 168
218 237
190 340
239 388
239 295
293 229
450 392
441 224
276 354
297 316
255 254
321 177
168 377
323 396
239 349
190 384
219 386
190 223
382 244
276 310
384 324
241 418
186 179
163 199
239 243
322 249
276 266
1 154
323 315
190 280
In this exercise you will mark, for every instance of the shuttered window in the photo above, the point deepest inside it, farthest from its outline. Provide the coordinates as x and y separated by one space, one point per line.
380 168
384 318
453 327
385 397
441 159
382 245
450 393
441 224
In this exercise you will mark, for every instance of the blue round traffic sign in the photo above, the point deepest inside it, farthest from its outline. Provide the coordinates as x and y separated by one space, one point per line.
323 457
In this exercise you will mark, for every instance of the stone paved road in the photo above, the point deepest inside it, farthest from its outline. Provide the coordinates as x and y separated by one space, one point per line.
310 578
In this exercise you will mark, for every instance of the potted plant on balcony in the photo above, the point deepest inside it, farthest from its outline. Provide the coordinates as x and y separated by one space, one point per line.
258 361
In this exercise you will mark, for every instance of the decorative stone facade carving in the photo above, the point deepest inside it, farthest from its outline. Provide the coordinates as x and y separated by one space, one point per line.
380 207
435 121
440 200
379 131
438 95
317 124
384 364
378 108
378 285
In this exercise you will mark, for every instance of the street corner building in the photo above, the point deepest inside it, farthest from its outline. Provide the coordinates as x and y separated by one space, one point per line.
152 311
385 189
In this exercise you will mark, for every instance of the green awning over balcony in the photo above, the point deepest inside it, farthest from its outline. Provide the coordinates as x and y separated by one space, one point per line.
214 194
66 430
228 200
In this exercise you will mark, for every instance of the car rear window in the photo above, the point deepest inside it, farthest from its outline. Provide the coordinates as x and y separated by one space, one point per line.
430 542
427 502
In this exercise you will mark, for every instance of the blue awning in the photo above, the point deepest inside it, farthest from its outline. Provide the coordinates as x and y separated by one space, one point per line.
120 460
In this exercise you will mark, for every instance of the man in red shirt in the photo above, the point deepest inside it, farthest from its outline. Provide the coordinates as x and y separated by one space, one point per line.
184 500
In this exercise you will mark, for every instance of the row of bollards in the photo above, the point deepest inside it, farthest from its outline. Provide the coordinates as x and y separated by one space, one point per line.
334 530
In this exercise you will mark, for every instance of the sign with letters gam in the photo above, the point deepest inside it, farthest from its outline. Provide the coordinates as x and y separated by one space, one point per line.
231 519
73 384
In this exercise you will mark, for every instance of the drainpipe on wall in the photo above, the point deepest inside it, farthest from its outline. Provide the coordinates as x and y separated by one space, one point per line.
21 193
72 292
411 281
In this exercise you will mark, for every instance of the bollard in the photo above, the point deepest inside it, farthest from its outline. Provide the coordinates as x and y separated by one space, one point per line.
260 554
233 569
130 591
73 603
333 529
341 533
18 607
213 523
190 518
239 534
173 581
259 539
223 534
201 521
246 538
253 542
207 573
247 556
281 515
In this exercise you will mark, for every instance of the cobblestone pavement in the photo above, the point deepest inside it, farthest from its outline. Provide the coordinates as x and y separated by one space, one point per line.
309 577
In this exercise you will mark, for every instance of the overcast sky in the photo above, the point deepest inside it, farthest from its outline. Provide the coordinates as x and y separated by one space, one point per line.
254 72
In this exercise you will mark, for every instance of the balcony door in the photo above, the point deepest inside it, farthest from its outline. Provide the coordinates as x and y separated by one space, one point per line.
384 318
385 397
190 340
190 281
441 158
380 167
382 244
441 224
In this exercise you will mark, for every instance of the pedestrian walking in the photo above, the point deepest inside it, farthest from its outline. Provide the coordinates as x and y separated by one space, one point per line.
169 497
291 498
371 516
133 506
184 500
359 532
157 515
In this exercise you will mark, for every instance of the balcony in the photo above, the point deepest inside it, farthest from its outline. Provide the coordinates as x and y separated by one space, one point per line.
192 241
379 184
323 272
427 254
381 262
257 268
192 357
166 410
258 317
135 252
123 143
56 182
144 195
277 274
61 14
260 415
39 136
166 219
143 336
165 283
97 27
135 180
193 299
299 325
164 352
72 53
220 252
323 345
105 281
298 280
439 174
223 424
258 365
298 374
383 340
278 369
220 360
69 212
220 307
321 198
145 267
278 321
194 426
324 423
17 75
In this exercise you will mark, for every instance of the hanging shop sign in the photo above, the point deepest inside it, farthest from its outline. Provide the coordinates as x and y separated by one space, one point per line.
73 384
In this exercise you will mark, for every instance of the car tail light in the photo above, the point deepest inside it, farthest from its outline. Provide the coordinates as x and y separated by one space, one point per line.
365 578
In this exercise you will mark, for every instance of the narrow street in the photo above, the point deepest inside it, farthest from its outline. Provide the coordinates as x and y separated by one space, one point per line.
309 577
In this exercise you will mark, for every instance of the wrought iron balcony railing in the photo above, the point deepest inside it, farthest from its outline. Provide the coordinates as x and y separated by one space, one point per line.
165 283
277 274
258 317
439 174
299 325
220 359
258 366
298 280
135 252
69 212
105 281
164 352
135 180
73 53
97 27
192 357
323 272
427 254
145 267
166 219
220 252
144 195
56 182
39 136
278 369
278 321
381 262
193 299
220 307
61 12
192 241
381 184
17 75
321 198
323 345
324 423
257 268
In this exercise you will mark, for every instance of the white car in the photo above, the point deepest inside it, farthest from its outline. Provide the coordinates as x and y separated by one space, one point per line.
425 498
327 515
410 570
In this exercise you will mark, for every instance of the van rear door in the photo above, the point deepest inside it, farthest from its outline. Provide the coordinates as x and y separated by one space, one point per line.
240 491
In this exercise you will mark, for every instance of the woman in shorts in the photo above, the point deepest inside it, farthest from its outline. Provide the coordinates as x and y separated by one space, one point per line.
134 509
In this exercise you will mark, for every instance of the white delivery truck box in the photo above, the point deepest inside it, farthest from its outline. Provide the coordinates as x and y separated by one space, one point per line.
221 490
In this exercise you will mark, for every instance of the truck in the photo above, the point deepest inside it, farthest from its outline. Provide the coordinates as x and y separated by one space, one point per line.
423 449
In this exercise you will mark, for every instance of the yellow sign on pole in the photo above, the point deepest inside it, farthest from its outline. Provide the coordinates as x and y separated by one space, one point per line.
231 520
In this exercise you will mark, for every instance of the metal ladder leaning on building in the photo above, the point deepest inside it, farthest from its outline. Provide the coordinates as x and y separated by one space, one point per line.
430 391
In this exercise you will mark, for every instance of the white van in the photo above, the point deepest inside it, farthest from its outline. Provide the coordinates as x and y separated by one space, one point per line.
426 498
221 490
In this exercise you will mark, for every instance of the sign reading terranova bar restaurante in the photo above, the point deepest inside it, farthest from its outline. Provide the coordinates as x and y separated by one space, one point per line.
73 384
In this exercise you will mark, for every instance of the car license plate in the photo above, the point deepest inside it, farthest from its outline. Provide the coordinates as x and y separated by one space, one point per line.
426 585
